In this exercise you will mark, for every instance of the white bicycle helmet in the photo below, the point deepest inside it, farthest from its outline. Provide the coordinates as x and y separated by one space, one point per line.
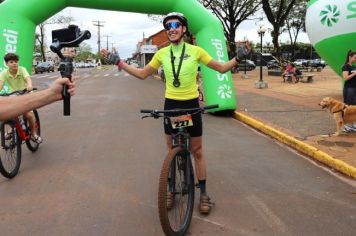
176 15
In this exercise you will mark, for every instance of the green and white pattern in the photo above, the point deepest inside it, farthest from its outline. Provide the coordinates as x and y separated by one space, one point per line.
331 27
330 15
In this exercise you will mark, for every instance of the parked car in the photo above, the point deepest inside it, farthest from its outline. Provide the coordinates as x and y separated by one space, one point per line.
301 63
44 67
317 63
248 64
273 64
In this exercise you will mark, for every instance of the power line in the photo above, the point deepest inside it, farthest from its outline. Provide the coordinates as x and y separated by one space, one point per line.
107 41
98 23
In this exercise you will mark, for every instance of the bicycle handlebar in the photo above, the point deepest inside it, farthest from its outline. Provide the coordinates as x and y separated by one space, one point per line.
156 113
19 92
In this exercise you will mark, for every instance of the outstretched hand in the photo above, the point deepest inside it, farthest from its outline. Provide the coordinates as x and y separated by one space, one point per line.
104 53
113 58
243 50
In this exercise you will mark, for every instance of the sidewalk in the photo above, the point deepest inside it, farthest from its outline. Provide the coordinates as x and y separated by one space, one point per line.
293 109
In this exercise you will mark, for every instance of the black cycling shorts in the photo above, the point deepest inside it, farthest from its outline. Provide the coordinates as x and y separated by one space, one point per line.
194 131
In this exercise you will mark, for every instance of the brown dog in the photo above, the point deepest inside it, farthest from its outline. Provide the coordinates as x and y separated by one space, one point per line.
342 113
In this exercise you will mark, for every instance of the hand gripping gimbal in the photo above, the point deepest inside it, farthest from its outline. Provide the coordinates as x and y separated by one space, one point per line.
68 37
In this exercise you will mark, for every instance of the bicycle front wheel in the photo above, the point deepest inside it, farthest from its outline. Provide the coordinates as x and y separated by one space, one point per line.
10 153
30 143
176 192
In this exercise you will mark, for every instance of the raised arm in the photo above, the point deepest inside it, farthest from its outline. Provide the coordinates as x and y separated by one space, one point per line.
241 52
140 73
222 67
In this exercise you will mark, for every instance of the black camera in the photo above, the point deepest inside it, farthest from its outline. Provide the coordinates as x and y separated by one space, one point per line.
68 37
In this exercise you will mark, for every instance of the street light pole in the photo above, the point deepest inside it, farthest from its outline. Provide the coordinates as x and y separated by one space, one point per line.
261 33
261 84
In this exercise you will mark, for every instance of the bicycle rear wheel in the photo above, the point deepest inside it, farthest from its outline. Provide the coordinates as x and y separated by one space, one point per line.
177 180
30 143
10 153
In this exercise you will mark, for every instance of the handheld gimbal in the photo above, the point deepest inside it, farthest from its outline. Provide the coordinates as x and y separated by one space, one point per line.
67 37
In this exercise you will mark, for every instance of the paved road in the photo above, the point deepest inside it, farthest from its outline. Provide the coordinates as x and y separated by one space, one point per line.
97 170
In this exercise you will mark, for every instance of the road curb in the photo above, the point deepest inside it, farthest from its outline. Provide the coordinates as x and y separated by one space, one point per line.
298 145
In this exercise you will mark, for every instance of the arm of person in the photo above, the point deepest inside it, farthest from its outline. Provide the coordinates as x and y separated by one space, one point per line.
222 67
1 84
346 76
241 52
14 106
140 73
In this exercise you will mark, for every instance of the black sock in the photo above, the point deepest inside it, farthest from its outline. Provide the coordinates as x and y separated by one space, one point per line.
202 184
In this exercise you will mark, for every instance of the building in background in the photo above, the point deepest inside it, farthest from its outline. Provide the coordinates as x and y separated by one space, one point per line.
146 48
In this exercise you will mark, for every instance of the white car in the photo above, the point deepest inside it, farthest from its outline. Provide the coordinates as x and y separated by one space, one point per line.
301 62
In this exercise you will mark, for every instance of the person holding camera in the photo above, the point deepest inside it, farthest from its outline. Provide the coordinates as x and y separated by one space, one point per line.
11 107
18 78
349 91
180 62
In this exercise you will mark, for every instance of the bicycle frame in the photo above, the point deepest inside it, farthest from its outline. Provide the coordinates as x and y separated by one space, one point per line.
182 139
22 134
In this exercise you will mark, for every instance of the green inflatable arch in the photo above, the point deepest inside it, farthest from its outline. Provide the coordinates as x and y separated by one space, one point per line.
20 18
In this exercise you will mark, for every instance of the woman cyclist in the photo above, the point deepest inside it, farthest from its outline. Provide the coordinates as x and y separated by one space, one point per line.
180 62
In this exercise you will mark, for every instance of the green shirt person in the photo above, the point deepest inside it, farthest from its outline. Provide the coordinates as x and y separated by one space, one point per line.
18 78
19 81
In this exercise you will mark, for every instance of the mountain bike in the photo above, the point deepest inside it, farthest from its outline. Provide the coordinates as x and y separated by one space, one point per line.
176 181
12 134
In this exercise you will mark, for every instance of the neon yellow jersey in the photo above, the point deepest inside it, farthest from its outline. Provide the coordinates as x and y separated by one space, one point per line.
18 82
193 55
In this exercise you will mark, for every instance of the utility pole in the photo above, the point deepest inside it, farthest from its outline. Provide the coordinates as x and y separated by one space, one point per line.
107 41
98 23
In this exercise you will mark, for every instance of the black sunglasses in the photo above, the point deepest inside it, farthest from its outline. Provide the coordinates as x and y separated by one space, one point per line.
172 25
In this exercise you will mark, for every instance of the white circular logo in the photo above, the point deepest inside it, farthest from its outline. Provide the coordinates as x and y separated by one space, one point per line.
225 91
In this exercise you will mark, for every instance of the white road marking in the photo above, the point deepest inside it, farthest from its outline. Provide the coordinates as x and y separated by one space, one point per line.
267 214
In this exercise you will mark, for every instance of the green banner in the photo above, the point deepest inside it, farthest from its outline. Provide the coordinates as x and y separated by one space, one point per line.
19 19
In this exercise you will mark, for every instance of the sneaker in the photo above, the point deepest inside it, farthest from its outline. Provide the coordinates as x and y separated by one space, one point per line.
36 138
347 129
170 200
205 204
